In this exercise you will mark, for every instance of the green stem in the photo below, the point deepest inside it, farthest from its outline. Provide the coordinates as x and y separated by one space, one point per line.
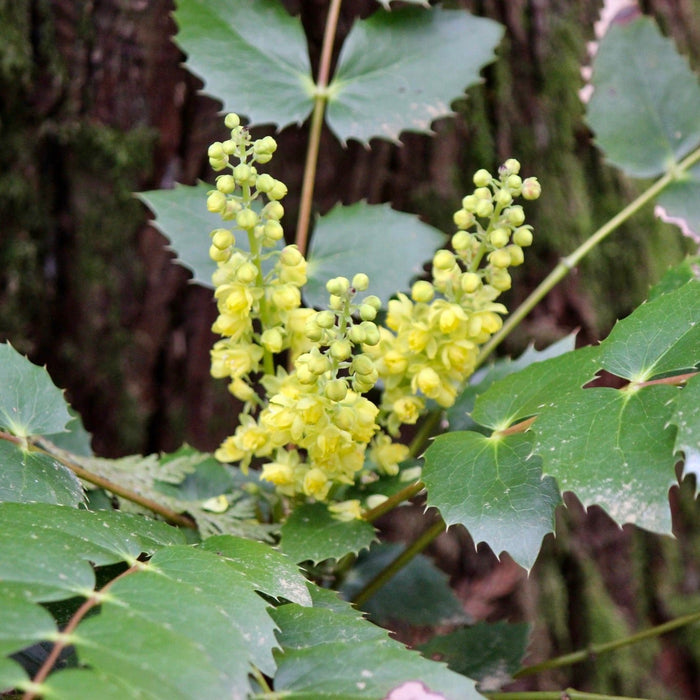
47 448
320 98
597 649
416 547
568 263
568 694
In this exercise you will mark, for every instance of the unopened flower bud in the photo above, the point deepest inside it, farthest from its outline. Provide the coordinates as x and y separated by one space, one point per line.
469 282
482 178
265 182
272 340
222 238
522 237
422 291
278 191
499 237
484 209
247 219
225 184
290 256
531 188
232 120
463 219
338 286
510 167
515 215
341 349
367 312
325 319
360 282
500 258
461 241
371 332
503 197
216 202
444 260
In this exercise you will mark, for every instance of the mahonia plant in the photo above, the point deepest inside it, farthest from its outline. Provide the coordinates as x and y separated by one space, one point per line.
313 428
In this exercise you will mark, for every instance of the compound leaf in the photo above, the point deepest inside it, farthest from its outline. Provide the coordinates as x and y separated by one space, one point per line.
252 56
329 651
613 448
645 109
660 336
311 533
36 477
30 403
400 70
494 487
387 245
266 569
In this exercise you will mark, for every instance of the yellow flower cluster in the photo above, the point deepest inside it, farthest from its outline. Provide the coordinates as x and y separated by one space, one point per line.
260 310
313 429
431 340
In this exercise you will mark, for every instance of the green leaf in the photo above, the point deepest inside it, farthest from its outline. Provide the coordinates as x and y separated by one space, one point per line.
524 393
645 109
46 550
36 477
181 215
400 70
12 674
458 415
388 246
418 594
494 487
185 625
311 533
489 653
614 449
252 56
76 439
30 403
679 204
330 652
23 624
676 277
686 416
660 336
266 569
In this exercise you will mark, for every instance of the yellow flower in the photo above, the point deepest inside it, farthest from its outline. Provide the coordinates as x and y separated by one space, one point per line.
408 409
387 454
316 484
346 510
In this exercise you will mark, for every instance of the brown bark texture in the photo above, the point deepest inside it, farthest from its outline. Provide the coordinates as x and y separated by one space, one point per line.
95 105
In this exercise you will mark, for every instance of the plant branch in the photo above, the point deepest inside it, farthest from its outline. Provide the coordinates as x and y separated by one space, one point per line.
63 641
597 649
46 447
320 98
394 500
416 547
568 263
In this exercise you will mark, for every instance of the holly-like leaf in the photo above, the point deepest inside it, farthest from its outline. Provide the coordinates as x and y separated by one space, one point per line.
418 594
686 416
679 204
30 403
388 246
311 533
329 651
35 477
489 653
494 487
252 56
660 336
614 449
524 393
676 277
400 70
458 414
182 216
645 109
75 439
266 569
